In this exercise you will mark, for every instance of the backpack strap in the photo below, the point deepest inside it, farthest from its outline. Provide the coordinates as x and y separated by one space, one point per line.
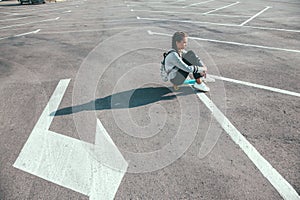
163 61
166 54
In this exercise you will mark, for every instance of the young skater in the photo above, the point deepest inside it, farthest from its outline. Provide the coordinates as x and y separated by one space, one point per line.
179 63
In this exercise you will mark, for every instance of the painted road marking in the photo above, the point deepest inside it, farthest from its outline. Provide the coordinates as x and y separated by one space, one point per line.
22 34
158 6
217 24
12 19
257 86
32 32
41 10
147 2
192 81
232 43
251 18
81 31
222 7
17 25
195 4
68 11
69 162
8 13
278 182
179 12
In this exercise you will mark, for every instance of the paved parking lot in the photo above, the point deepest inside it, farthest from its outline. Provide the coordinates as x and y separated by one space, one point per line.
84 114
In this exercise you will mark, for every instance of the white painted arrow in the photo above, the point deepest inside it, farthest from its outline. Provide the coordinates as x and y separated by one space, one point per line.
69 162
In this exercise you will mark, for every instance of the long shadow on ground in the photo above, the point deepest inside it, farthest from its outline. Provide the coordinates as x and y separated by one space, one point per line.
127 99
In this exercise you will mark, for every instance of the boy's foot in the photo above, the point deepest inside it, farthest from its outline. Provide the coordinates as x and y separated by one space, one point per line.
201 87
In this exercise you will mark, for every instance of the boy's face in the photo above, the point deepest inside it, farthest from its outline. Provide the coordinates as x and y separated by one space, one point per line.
182 44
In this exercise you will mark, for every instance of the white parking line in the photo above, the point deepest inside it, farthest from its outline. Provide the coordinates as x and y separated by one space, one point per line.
81 31
41 10
3 38
195 4
248 20
8 13
148 2
257 86
271 174
232 43
44 15
12 19
17 25
222 7
21 34
159 6
216 24
32 32
183 13
68 11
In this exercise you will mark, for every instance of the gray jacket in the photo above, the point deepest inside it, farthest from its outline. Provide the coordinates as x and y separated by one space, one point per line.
173 62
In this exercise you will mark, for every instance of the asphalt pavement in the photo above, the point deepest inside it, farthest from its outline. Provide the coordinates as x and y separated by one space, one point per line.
85 115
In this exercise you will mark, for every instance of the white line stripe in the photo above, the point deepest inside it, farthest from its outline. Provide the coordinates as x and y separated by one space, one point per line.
195 4
218 24
234 43
7 13
185 21
257 86
273 29
247 45
32 32
148 2
36 139
68 11
239 16
190 13
81 31
154 6
279 183
12 19
17 25
41 10
222 8
251 18
45 119
3 38
107 181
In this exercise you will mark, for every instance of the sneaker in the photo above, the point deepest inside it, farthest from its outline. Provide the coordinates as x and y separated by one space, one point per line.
201 87
208 79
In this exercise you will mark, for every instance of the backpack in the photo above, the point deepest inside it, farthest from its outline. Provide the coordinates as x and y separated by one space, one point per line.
163 72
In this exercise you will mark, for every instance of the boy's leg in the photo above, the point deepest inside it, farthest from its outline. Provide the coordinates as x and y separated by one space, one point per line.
179 78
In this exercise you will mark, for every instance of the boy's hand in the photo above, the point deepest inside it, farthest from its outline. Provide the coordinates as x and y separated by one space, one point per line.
200 69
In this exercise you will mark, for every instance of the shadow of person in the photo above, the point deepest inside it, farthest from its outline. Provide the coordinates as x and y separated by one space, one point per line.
127 99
